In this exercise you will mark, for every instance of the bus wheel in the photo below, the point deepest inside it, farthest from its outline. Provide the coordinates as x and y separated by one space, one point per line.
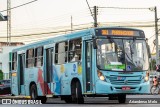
112 97
122 98
76 93
33 92
43 99
79 96
68 99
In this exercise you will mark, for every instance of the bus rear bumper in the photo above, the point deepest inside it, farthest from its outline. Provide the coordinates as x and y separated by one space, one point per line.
103 87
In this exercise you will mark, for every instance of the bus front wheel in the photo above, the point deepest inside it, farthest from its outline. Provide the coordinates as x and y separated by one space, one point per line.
76 91
122 98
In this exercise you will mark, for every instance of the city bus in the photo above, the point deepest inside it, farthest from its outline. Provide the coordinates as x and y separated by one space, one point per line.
96 62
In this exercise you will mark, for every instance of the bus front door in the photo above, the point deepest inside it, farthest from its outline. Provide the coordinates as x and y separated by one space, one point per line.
88 67
49 71
21 63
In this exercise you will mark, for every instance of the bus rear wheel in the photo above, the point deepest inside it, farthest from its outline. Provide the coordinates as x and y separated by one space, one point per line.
33 92
76 92
34 95
43 99
122 98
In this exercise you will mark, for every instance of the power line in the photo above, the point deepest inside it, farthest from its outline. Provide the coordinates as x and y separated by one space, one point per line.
151 36
123 8
61 31
90 9
19 5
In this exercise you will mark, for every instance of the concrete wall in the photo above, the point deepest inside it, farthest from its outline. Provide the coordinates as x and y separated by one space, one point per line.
4 59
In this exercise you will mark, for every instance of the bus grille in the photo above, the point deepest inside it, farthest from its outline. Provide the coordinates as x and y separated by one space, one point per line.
125 80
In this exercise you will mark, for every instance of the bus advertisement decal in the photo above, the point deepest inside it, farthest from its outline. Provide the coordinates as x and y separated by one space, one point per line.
42 83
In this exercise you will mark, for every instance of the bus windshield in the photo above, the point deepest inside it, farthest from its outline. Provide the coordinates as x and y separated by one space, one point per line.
122 55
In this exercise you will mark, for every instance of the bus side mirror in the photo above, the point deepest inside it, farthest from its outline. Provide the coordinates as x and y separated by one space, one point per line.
148 50
94 43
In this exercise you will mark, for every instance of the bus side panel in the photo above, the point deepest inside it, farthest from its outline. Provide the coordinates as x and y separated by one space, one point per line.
14 83
40 81
63 75
58 72
34 75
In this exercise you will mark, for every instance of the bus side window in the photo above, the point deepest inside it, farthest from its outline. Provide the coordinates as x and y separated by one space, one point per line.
74 53
61 52
56 53
30 58
14 61
39 56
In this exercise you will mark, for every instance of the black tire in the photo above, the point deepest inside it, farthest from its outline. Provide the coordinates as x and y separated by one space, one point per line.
33 92
122 98
43 99
73 92
76 93
68 99
155 90
112 97
79 96
34 95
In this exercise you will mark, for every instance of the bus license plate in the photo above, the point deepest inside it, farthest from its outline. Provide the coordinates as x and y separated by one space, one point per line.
126 88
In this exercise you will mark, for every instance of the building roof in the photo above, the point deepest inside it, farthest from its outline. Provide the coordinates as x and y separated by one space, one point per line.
13 42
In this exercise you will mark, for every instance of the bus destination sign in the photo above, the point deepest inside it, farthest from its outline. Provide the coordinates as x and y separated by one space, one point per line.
118 32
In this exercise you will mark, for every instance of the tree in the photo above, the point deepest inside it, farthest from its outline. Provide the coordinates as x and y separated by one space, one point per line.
1 75
153 64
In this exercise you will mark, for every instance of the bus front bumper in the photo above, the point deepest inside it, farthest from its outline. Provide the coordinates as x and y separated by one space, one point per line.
103 87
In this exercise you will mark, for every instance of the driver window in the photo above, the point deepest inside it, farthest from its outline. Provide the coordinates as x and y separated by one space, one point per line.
108 54
107 48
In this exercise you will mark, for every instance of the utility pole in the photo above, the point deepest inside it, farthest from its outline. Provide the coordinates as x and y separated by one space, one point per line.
8 22
95 16
71 25
156 34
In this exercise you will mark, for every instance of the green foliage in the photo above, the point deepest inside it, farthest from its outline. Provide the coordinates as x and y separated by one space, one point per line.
1 75
153 64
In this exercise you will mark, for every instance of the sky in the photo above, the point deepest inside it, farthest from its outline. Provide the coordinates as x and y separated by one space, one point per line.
55 15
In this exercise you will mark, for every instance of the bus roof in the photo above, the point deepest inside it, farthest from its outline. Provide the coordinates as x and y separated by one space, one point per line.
54 40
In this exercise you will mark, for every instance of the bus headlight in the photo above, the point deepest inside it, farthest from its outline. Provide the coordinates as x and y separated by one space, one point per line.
146 77
101 76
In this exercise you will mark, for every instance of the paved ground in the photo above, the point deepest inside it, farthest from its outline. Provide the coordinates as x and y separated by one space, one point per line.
135 100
